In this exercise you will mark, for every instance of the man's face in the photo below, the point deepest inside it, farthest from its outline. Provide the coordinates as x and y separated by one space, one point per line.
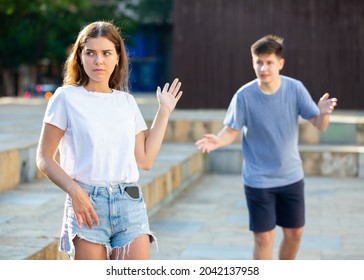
267 67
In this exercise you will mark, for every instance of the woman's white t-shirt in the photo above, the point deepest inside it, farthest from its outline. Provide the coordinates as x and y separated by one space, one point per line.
99 139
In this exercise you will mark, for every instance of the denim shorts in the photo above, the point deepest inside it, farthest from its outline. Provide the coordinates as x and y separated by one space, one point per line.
122 219
283 206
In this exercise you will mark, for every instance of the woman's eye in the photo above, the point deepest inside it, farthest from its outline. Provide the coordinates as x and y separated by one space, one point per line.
89 53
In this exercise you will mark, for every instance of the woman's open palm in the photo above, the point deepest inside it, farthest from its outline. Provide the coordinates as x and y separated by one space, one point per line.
169 96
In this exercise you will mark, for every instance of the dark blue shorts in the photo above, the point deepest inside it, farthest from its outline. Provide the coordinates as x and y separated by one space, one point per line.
283 206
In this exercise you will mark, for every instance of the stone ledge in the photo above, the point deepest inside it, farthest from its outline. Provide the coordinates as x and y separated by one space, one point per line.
9 170
40 202
346 126
317 160
333 161
182 129
18 165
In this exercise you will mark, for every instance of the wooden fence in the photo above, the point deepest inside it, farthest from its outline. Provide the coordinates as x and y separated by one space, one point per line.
324 47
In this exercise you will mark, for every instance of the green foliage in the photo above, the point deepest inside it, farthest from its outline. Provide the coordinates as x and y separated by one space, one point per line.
37 31
32 30
157 12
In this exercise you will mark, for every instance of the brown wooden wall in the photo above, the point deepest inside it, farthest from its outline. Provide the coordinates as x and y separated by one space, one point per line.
324 47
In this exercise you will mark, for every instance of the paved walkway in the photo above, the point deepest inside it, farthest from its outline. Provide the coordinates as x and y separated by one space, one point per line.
210 221
20 122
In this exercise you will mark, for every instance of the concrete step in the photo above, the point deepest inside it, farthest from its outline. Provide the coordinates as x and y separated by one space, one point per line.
31 214
317 160
346 128
18 166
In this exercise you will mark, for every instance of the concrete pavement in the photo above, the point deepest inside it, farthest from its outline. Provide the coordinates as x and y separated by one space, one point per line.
209 221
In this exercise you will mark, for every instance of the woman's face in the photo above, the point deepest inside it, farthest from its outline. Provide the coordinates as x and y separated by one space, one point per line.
99 59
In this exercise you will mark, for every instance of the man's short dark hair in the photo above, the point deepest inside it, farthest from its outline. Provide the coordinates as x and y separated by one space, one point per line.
269 44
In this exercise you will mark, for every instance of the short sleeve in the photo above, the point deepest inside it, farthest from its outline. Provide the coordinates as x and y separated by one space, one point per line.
56 113
307 108
234 117
140 123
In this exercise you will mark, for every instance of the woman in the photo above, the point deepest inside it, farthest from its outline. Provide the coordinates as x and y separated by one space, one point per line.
99 131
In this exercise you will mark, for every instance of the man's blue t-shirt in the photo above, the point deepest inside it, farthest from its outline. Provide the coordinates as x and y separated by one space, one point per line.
269 124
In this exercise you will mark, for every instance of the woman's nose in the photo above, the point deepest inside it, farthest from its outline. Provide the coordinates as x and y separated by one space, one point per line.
98 59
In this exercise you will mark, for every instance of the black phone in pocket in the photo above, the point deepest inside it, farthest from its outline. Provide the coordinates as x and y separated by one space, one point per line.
133 191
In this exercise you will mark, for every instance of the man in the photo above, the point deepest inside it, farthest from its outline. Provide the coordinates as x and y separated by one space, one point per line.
267 111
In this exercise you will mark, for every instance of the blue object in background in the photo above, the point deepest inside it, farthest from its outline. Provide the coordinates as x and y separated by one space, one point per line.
145 61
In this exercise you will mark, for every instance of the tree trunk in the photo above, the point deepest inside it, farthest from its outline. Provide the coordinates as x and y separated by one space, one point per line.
7 83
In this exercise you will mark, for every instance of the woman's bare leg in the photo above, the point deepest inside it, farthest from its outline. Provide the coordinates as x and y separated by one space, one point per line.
85 250
138 249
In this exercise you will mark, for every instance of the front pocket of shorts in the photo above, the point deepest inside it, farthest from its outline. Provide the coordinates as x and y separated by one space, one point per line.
134 199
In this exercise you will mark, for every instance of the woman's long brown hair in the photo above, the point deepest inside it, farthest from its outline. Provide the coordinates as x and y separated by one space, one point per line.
74 74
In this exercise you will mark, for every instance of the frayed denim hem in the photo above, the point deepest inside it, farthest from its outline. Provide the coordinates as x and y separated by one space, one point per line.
121 251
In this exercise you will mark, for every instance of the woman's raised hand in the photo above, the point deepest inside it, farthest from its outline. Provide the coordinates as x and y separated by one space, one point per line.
169 96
